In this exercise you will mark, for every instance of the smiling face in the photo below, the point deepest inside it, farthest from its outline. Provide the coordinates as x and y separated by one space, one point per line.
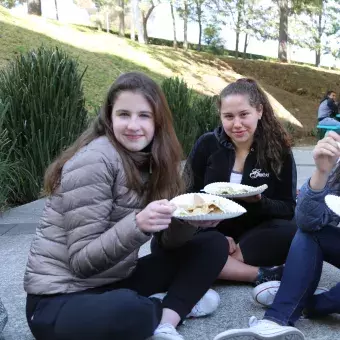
239 118
332 96
133 121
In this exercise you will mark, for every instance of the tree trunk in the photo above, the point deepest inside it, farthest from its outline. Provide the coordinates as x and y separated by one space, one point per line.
121 19
185 19
173 23
320 31
134 24
199 33
107 22
283 31
318 57
237 43
34 7
145 18
240 5
56 10
139 21
245 46
145 31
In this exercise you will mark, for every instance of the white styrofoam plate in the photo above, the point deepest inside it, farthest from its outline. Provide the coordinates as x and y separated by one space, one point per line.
241 190
230 209
333 203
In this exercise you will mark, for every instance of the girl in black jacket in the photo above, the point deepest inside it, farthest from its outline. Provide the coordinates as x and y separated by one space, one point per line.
251 147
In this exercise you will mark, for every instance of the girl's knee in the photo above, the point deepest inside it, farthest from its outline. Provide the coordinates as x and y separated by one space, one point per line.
237 255
215 243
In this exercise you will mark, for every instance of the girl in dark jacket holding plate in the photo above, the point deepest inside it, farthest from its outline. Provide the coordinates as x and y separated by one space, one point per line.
252 148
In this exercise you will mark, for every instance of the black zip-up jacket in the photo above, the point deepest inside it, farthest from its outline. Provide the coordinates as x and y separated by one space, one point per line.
212 160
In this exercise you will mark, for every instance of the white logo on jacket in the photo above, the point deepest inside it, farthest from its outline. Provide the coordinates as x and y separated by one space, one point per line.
256 173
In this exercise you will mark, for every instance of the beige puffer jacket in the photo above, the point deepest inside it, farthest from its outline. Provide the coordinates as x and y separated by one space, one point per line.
87 236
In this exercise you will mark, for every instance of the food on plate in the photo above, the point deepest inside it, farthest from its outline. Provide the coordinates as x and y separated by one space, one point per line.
228 190
233 189
201 207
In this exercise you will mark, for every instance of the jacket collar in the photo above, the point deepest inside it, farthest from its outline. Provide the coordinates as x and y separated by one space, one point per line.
225 140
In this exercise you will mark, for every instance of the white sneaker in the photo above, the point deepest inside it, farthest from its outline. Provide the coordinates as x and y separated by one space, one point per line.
265 293
262 330
207 305
166 331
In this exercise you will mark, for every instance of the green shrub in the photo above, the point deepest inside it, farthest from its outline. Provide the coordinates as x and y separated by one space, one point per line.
7 168
290 128
207 116
180 99
313 132
193 114
46 113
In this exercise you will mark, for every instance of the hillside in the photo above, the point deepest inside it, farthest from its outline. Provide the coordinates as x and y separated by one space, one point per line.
294 89
298 88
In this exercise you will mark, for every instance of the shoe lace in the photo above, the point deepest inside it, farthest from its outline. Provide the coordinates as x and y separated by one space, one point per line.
273 291
254 321
197 309
167 328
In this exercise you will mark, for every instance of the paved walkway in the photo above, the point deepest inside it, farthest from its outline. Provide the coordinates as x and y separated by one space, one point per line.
17 228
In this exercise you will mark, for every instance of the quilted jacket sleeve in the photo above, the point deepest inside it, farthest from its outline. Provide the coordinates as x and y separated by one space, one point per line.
312 213
178 233
87 192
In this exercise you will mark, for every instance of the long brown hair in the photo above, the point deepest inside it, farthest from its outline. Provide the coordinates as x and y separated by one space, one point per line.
166 152
271 139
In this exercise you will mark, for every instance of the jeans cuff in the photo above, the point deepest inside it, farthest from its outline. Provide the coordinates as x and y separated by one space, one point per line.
271 318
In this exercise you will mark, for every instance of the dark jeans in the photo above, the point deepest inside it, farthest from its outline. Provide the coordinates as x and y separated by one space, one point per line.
266 244
123 311
302 274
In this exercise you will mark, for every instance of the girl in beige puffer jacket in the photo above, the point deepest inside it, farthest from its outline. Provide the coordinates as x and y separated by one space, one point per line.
107 194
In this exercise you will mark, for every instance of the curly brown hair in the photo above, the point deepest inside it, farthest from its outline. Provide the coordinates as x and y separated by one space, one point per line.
166 152
271 139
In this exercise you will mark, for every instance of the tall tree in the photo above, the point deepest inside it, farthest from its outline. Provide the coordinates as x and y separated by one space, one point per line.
261 22
105 6
146 7
184 10
121 15
246 43
283 29
287 8
196 14
8 3
172 8
318 37
56 9
115 7
332 43
34 7
134 19
240 15
239 23
185 19
212 37
312 29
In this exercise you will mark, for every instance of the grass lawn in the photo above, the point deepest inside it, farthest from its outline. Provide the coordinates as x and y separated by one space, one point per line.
295 90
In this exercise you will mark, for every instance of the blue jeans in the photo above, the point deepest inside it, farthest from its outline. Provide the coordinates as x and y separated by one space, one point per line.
302 275
329 121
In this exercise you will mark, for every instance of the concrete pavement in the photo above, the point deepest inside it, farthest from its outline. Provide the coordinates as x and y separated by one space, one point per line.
17 228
